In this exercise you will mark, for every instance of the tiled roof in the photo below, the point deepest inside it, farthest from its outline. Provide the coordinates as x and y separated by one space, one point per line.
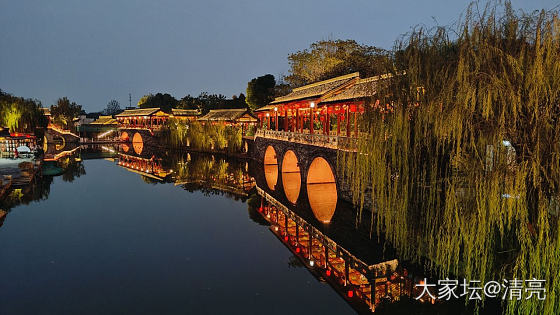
105 120
316 89
225 115
185 112
265 108
138 112
363 88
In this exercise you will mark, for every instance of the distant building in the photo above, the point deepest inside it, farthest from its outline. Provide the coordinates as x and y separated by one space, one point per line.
231 117
103 127
185 114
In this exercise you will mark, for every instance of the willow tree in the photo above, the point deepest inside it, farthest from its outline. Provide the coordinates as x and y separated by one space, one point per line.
460 154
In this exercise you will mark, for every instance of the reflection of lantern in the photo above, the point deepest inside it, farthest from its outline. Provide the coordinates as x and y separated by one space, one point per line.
285 238
298 250
350 293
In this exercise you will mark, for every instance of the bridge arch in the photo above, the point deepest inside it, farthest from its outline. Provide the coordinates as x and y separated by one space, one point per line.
137 143
321 189
270 167
291 176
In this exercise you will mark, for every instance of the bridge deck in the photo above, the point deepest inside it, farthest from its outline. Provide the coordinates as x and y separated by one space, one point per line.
326 141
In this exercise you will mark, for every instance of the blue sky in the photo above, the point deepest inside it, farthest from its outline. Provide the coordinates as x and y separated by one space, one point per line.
95 51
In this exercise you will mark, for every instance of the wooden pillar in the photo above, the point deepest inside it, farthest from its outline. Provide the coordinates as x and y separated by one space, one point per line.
276 119
301 120
348 120
297 120
285 120
338 124
356 124
311 120
328 122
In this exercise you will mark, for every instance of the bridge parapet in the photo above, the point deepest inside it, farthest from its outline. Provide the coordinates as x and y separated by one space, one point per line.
320 140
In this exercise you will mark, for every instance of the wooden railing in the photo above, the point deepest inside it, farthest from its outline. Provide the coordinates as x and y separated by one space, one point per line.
320 140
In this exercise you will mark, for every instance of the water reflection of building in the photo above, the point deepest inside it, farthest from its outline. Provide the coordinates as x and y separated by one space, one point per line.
211 174
321 232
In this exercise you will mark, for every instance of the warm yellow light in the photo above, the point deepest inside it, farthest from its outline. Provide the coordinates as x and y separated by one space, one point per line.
312 105
267 114
275 109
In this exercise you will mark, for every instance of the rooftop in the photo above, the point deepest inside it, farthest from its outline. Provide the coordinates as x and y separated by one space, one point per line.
317 89
185 112
226 114
362 88
105 120
139 112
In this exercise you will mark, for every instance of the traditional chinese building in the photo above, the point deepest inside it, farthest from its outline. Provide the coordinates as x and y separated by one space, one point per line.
9 142
103 127
329 107
142 118
185 114
231 117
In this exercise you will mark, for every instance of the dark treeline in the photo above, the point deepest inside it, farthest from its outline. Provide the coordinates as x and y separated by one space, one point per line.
203 102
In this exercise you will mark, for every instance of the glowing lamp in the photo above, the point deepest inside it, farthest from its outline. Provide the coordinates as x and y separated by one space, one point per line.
311 263
312 104
275 109
267 114
328 272
285 238
350 293
298 249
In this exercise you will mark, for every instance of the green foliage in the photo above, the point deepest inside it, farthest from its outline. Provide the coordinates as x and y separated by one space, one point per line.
164 101
207 137
260 91
437 191
64 112
19 114
330 58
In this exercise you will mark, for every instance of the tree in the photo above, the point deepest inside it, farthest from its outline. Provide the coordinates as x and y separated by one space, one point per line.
113 108
260 91
189 102
329 58
19 114
211 101
164 101
64 112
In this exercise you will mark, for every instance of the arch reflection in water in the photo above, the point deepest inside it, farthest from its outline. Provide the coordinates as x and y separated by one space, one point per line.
124 136
270 167
321 190
291 178
137 143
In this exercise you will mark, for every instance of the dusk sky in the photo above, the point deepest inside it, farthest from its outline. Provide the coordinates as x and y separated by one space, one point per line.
95 51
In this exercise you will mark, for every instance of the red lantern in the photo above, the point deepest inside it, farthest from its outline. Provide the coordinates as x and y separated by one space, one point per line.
328 272
350 293
298 249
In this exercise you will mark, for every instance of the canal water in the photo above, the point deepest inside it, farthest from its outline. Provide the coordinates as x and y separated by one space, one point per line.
141 230
104 239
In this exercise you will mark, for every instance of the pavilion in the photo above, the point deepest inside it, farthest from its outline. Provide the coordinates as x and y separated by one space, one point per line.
142 118
327 107
230 117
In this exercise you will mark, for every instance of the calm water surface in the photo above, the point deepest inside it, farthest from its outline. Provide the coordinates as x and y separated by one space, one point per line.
110 242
